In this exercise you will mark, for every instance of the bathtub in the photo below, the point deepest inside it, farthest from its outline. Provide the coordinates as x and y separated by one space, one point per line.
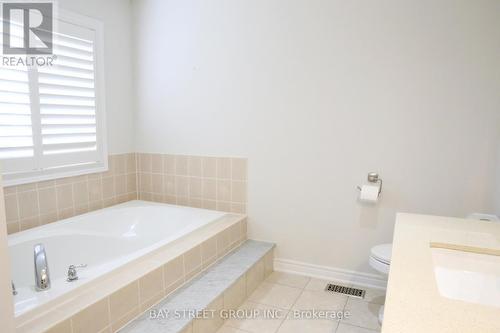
104 240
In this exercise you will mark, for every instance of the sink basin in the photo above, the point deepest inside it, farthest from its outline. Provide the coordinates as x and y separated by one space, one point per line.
467 276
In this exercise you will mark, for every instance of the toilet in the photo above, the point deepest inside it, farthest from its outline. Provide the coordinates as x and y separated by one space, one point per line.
380 260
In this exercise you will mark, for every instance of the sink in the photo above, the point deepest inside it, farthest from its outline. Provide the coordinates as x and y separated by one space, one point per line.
469 276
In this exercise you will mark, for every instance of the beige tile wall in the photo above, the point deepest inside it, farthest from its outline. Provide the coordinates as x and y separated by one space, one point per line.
218 183
35 204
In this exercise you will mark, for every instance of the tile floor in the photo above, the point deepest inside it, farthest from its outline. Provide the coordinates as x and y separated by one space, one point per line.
283 296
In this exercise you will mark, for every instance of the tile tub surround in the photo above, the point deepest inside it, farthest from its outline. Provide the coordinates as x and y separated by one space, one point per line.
217 183
222 287
35 204
285 292
109 302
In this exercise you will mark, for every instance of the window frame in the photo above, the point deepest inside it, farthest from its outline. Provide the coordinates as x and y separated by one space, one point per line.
86 22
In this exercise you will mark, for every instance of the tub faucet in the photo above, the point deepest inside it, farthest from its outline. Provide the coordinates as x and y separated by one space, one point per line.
14 291
42 276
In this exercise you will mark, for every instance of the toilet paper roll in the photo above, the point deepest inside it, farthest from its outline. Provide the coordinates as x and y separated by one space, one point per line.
369 193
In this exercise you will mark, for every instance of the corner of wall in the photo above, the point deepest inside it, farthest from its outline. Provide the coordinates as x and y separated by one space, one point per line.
496 193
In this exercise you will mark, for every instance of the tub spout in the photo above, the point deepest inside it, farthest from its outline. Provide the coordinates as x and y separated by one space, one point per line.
42 276
14 291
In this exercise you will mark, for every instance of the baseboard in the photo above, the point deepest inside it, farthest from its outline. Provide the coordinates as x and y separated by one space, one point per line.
330 273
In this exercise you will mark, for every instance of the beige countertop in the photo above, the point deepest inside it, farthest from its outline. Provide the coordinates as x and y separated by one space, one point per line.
413 302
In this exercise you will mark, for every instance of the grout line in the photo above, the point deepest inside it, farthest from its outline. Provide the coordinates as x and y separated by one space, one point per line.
38 205
336 327
108 303
72 184
357 326
125 316
18 211
136 158
57 201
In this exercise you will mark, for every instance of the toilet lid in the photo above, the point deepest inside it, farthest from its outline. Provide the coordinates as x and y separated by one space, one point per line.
382 253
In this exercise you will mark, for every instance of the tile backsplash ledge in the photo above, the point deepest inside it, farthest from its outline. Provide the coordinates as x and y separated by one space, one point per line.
218 183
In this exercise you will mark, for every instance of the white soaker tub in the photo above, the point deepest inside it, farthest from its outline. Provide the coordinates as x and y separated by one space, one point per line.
103 240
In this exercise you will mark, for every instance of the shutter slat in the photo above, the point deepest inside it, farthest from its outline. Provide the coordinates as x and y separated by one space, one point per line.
69 51
14 114
17 108
14 70
68 129
68 71
63 79
72 54
10 76
56 90
66 100
73 44
51 149
16 119
82 68
68 138
67 109
15 152
14 97
16 142
47 86
14 130
49 116
14 86
67 120
71 39
75 62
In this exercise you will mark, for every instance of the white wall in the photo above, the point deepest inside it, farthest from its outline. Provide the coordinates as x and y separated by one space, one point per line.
497 189
116 16
318 93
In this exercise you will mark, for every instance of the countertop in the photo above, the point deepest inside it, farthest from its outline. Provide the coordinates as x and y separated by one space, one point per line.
413 302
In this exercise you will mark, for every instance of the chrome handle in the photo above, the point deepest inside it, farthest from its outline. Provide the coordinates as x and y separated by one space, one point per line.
72 273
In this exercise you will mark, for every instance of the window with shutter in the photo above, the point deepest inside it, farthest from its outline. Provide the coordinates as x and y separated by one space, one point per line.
52 117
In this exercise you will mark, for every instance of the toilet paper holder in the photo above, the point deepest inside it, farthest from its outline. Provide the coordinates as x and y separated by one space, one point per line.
373 177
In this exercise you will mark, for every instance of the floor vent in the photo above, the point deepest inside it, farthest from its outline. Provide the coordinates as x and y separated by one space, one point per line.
353 292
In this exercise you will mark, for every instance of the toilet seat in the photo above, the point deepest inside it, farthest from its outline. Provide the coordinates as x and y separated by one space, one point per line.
382 253
379 266
380 258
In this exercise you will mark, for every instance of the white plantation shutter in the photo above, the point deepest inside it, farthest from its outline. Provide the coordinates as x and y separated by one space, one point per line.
67 100
16 135
51 120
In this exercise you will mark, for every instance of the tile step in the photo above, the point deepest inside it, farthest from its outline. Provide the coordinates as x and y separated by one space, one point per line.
182 310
